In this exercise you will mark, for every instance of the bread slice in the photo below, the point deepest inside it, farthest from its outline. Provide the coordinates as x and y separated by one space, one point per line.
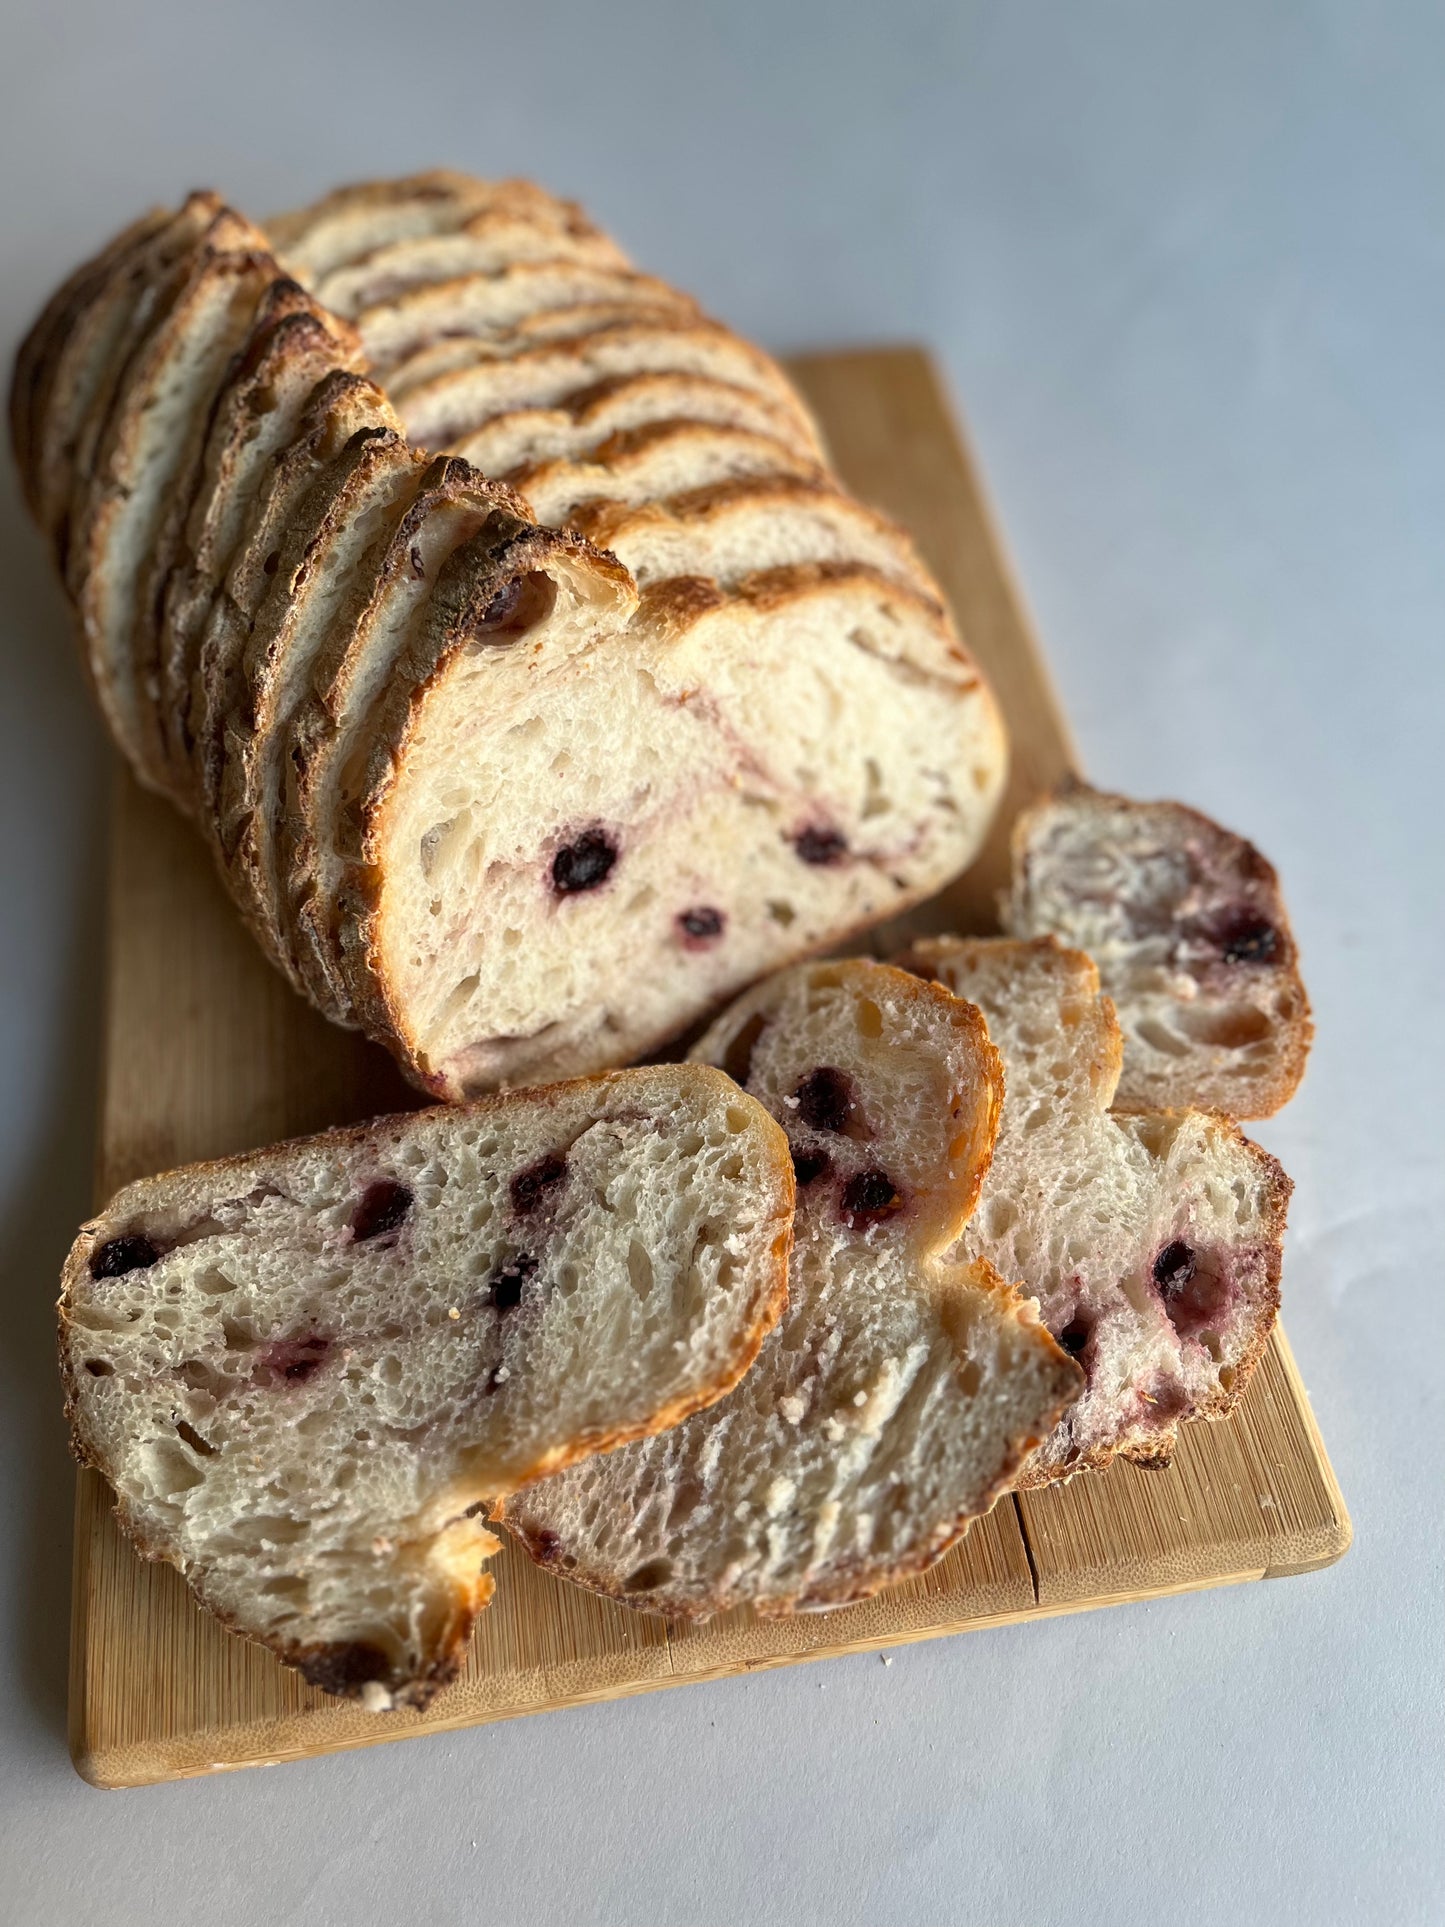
637 830
322 582
1150 1238
649 464
341 407
579 424
736 529
441 406
42 353
353 222
1187 925
88 343
899 1394
307 1370
496 237
257 415
153 430
489 304
468 575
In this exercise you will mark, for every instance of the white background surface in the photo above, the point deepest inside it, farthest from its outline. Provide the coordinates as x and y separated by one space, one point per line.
1184 266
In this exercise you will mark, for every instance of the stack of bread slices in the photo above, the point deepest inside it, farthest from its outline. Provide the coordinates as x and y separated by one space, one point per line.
521 779
497 618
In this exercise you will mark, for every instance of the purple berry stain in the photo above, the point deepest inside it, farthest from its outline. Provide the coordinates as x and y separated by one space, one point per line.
383 1207
531 1188
868 1199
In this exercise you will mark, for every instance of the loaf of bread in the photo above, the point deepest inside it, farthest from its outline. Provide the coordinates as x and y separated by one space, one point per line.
522 787
306 1371
1186 924
899 1394
1150 1238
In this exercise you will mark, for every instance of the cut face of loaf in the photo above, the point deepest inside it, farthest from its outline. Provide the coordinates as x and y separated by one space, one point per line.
307 1370
898 1395
1189 931
634 832
485 243
1151 1239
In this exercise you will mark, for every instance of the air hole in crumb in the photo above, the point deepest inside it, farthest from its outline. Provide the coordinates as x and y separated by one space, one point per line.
193 1438
383 1207
648 1577
1075 1336
517 606
869 1018
781 911
809 1166
100 1368
639 1269
506 1287
738 1057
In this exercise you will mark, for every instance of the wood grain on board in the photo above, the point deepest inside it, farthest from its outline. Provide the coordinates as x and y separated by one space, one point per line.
206 1051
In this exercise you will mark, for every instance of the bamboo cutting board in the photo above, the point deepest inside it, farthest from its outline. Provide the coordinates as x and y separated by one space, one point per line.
208 1052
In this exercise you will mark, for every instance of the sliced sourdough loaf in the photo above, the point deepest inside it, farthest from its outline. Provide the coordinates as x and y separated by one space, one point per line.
1150 1238
1188 928
307 1370
899 1394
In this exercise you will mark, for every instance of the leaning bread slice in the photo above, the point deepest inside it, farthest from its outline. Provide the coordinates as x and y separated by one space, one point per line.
1188 928
1151 1239
306 1370
488 304
495 238
736 529
439 408
90 344
341 407
578 424
322 581
560 855
44 349
258 414
154 428
468 576
665 459
898 1396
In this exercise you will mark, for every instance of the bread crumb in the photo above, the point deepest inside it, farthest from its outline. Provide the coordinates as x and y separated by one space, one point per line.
375 1698
452 1312
860 1398
779 1496
792 1102
887 1658
792 1409
832 1430
501 1375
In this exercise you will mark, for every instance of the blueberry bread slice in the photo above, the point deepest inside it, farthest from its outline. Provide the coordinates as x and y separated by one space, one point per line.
307 1371
1150 1238
899 1394
1186 923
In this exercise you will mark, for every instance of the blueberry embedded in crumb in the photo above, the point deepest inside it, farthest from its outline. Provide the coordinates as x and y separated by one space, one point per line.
517 606
1075 1336
826 1099
384 1206
1241 936
530 1187
583 865
1174 1268
809 1166
701 926
119 1255
820 846
868 1199
505 1291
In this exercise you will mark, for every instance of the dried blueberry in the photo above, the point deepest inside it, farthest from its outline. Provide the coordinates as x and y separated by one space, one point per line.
506 1286
869 1198
1075 1336
700 926
826 1098
583 865
1250 940
529 1188
816 845
383 1207
517 606
809 1166
119 1255
1174 1268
